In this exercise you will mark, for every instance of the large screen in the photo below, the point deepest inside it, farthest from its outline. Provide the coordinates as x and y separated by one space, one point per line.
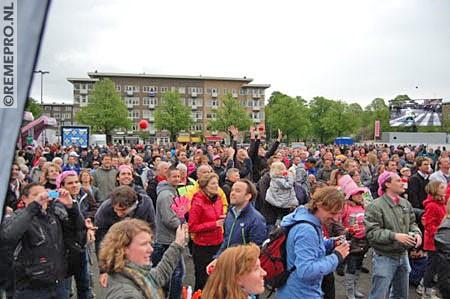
426 112
75 135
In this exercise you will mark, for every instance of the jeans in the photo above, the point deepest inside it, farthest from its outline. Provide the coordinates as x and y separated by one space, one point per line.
390 272
82 279
57 291
173 288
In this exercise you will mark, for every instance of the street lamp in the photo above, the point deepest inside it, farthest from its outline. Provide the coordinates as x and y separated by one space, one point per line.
42 82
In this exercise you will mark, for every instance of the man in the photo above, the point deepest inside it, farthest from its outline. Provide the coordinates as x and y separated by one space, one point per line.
443 174
167 222
36 172
161 175
39 231
324 173
79 264
94 157
258 154
417 183
243 223
391 166
105 178
124 202
72 163
391 230
218 168
141 169
232 176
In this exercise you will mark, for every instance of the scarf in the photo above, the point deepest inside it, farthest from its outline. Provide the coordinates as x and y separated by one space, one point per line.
139 275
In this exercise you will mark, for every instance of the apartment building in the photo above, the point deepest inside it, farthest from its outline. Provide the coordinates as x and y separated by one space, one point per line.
62 112
142 94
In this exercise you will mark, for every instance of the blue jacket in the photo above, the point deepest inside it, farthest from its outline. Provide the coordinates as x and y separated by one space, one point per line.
308 253
75 168
244 227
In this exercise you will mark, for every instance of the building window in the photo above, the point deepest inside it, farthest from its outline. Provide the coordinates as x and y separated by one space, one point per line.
181 90
132 88
164 89
210 115
90 86
56 115
198 90
118 88
150 89
48 108
212 90
233 91
76 86
66 116
56 108
242 91
225 91
135 127
196 115
197 127
131 101
212 103
133 114
196 102
68 108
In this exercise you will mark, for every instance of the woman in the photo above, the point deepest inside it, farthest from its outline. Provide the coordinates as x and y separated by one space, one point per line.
236 275
206 222
125 256
86 184
307 250
432 217
50 174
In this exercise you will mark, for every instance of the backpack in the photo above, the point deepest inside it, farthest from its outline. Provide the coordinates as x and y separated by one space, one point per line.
273 256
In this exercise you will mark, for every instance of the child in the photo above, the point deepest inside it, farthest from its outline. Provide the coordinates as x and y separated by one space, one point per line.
353 221
431 219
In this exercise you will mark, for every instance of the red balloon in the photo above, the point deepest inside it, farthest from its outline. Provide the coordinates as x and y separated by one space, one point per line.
143 124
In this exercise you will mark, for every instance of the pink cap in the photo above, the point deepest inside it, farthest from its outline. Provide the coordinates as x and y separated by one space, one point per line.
63 176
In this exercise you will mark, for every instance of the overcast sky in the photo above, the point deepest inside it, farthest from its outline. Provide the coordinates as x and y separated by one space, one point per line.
343 50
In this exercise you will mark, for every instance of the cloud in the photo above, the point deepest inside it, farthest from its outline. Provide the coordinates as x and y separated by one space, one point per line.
353 50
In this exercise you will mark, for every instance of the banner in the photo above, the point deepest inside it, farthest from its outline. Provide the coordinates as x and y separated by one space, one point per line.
377 129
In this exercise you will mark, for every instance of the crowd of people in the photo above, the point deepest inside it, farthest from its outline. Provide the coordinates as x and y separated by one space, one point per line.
134 208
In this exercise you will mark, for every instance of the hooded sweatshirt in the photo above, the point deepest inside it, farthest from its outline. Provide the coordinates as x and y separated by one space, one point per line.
432 218
308 252
167 221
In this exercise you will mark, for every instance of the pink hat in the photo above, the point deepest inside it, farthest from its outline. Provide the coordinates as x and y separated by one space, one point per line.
349 186
62 176
124 166
216 157
383 178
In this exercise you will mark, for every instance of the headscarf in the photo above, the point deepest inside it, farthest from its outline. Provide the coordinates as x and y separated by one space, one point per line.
383 178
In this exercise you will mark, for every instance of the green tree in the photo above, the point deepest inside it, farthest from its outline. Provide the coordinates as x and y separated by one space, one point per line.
105 111
318 108
377 110
34 107
289 114
172 115
231 113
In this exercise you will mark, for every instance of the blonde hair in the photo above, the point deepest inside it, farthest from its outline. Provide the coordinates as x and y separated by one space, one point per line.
55 166
372 158
277 169
83 172
231 264
329 198
120 235
432 189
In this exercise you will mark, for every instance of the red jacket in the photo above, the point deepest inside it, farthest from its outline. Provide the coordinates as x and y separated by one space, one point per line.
202 219
435 212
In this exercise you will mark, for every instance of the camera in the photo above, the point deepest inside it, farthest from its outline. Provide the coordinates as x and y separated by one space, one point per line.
53 194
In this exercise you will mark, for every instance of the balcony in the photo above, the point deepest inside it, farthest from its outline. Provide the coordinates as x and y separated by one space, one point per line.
83 91
151 118
214 94
152 131
256 96
130 92
194 107
194 94
129 105
151 105
235 95
256 107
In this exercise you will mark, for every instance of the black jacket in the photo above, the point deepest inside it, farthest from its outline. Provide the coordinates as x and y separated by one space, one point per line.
106 217
260 163
40 243
416 190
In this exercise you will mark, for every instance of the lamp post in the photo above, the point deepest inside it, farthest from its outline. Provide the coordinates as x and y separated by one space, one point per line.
42 82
